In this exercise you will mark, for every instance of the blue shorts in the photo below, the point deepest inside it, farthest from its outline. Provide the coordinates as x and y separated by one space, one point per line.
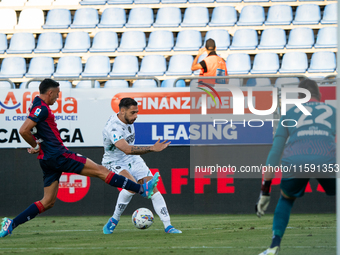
69 162
295 187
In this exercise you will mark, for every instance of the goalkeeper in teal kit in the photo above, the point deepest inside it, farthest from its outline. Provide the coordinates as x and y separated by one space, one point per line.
307 146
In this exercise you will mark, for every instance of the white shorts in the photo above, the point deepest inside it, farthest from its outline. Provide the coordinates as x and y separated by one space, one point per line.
138 169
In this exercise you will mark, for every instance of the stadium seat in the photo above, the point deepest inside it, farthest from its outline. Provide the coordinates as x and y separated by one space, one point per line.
294 62
283 0
322 62
152 65
3 43
251 15
282 81
326 38
180 65
279 15
88 84
30 19
238 63
228 1
223 16
69 66
97 66
174 1
85 18
265 63
49 42
330 14
140 17
272 38
146 1
66 2
160 40
169 83
13 2
258 82
195 16
188 40
113 84
244 39
201 1
40 67
132 41
64 84
58 18
5 85
112 17
38 2
301 37
13 67
221 38
307 14
145 84
168 17
105 41
21 43
31 85
120 2
92 2
8 18
125 65
78 41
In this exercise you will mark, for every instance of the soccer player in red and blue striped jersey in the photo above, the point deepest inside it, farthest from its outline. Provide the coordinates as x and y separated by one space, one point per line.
40 131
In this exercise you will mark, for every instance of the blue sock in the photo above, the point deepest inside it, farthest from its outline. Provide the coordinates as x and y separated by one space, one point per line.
120 181
32 211
281 219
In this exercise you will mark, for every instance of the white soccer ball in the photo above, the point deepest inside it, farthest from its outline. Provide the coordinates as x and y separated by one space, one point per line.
142 218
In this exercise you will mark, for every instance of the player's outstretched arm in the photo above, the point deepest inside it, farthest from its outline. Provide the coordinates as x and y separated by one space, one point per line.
139 150
25 132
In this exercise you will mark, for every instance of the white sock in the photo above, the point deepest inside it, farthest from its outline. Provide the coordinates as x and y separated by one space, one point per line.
159 205
123 200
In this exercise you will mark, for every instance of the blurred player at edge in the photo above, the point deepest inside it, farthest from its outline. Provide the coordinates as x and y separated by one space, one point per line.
303 147
40 131
123 157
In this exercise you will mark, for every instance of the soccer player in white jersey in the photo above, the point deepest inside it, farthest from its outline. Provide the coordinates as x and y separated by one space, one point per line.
123 157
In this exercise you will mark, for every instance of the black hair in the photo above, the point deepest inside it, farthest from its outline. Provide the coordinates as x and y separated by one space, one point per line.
312 87
127 102
210 44
46 84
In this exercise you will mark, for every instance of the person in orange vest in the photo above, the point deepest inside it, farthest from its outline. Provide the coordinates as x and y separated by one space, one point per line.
212 65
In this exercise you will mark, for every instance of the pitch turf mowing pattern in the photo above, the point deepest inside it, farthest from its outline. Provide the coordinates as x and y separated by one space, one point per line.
202 234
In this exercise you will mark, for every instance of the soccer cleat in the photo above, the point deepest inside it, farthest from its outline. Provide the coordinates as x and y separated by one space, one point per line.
171 230
271 251
110 226
150 185
6 227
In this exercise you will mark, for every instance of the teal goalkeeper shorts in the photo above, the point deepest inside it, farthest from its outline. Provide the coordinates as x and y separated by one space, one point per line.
295 187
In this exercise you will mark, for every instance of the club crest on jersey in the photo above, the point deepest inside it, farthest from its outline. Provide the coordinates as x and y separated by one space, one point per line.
37 112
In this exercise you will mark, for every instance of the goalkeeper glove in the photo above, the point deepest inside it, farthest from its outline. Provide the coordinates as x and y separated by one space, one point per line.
264 199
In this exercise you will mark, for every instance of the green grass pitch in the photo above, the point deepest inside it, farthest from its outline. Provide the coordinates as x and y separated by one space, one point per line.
202 234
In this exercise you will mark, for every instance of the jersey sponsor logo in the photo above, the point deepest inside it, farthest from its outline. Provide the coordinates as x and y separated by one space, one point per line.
73 187
130 139
37 112
129 128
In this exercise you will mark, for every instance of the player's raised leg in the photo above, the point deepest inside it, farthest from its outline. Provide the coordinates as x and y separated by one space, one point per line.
92 169
161 209
50 196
